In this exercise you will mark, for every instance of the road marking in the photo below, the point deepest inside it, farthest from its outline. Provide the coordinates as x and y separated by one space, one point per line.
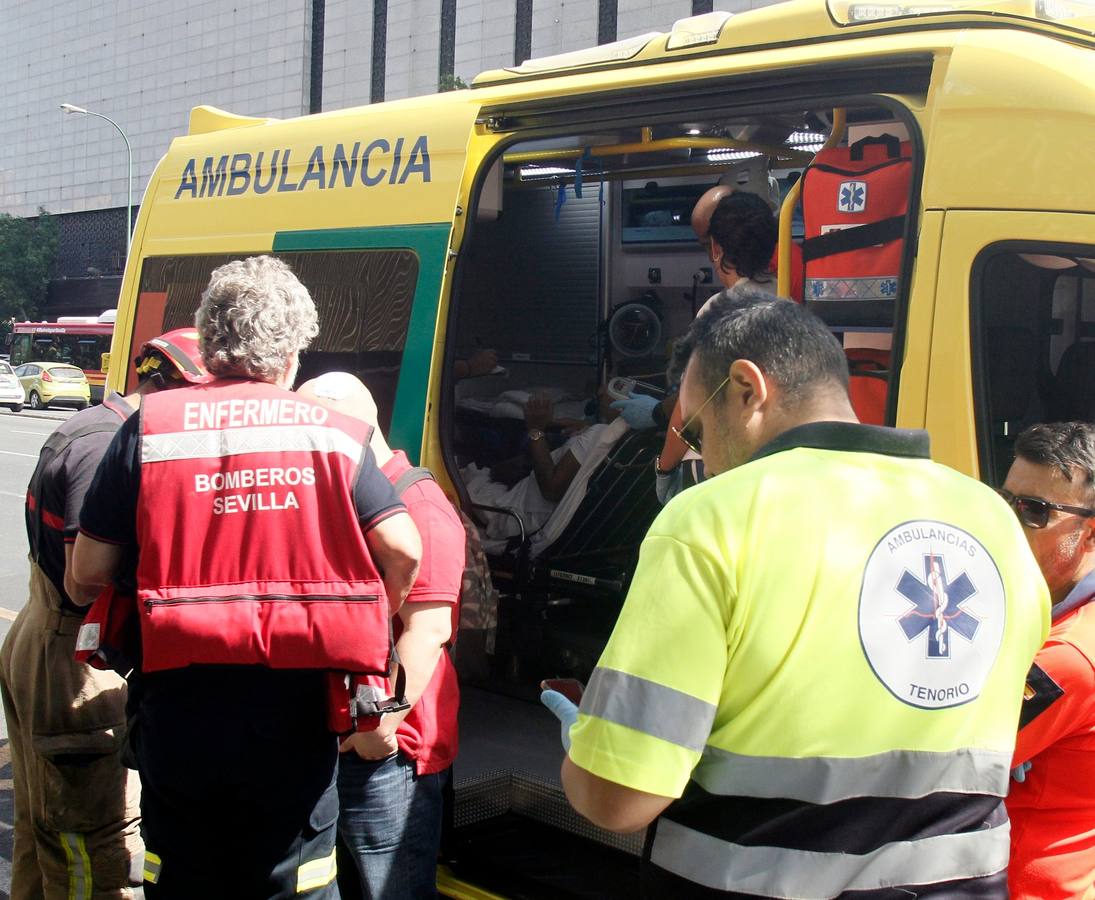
15 453
7 614
31 433
10 494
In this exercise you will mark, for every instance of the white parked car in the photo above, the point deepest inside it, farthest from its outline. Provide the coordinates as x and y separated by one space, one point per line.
11 390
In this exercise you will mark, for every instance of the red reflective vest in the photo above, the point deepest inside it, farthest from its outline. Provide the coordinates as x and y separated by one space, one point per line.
250 546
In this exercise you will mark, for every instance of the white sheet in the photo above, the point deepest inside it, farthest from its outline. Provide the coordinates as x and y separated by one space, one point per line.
544 520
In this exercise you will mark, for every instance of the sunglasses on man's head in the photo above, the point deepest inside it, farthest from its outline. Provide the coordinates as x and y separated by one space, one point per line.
1034 511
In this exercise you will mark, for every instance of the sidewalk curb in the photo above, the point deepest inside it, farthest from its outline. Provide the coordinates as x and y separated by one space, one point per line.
28 413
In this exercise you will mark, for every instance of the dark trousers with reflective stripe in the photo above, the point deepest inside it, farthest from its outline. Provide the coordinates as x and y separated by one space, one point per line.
238 775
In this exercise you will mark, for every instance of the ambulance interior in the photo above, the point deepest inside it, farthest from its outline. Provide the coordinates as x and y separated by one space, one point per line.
581 264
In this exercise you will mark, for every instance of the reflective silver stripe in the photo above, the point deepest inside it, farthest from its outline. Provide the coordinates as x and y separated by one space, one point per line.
79 866
152 866
898 773
809 875
234 441
652 708
880 288
317 873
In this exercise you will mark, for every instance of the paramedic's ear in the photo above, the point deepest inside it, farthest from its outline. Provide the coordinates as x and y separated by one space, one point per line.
748 386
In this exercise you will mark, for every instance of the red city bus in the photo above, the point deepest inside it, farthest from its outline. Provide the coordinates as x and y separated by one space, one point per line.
79 340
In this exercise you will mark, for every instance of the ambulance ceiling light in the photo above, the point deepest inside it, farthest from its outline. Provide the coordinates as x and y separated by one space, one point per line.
529 172
728 155
797 138
697 30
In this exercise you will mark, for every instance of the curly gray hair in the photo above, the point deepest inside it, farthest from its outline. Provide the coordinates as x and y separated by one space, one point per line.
253 317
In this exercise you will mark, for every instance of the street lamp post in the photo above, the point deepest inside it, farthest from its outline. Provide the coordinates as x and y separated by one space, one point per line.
79 110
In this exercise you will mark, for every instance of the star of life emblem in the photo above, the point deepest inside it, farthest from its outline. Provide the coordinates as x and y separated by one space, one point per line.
931 614
852 197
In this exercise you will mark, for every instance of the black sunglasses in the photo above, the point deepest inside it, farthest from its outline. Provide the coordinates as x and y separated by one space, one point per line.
1034 511
692 441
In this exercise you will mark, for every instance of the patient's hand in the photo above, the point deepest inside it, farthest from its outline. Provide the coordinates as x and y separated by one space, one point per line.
539 411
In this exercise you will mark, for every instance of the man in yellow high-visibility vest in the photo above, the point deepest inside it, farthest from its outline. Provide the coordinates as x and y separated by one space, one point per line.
814 683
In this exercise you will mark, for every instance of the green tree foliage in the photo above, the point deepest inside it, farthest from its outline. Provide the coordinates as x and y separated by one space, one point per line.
27 251
449 82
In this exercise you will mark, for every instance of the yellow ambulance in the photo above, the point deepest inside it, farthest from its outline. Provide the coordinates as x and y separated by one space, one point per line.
531 234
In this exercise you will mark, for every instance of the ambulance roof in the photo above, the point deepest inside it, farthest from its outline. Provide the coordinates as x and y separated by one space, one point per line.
800 21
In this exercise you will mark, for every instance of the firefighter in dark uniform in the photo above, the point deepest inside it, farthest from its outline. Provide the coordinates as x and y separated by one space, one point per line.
266 542
76 806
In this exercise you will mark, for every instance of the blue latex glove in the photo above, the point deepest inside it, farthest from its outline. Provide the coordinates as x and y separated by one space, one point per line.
638 411
1019 773
668 484
565 711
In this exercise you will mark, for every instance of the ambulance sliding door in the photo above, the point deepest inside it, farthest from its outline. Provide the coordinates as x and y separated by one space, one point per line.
1014 322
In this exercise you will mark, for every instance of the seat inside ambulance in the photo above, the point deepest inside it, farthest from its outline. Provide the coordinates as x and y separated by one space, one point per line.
580 266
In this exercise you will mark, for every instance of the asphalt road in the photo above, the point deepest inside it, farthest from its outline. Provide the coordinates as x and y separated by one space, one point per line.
21 437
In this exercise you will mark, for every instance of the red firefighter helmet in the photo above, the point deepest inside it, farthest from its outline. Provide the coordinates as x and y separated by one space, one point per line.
178 347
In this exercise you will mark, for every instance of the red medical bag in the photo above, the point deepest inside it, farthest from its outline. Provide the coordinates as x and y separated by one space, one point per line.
854 202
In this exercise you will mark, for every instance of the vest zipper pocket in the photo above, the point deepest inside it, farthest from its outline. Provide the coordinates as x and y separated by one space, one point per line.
263 598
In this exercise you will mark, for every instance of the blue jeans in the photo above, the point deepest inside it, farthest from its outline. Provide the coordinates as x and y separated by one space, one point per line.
390 821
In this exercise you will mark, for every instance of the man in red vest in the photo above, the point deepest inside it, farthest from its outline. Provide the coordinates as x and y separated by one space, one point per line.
390 779
1051 487
76 805
269 549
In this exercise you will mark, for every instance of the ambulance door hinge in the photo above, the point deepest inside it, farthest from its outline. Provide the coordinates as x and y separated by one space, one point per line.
452 253
460 210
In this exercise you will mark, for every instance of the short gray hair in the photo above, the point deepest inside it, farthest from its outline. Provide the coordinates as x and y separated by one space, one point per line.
253 317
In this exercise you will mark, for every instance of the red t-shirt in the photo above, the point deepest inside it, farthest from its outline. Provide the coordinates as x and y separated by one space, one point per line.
1053 811
428 735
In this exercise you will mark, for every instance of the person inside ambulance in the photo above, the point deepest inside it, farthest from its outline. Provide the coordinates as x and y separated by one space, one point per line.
76 806
739 233
269 550
1051 488
545 494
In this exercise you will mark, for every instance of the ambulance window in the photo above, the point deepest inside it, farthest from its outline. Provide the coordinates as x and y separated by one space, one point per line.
1034 327
363 298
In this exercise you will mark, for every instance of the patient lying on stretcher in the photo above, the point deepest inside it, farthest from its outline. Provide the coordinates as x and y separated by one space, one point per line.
548 495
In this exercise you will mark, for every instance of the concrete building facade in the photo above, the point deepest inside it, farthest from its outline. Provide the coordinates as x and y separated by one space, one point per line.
146 63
